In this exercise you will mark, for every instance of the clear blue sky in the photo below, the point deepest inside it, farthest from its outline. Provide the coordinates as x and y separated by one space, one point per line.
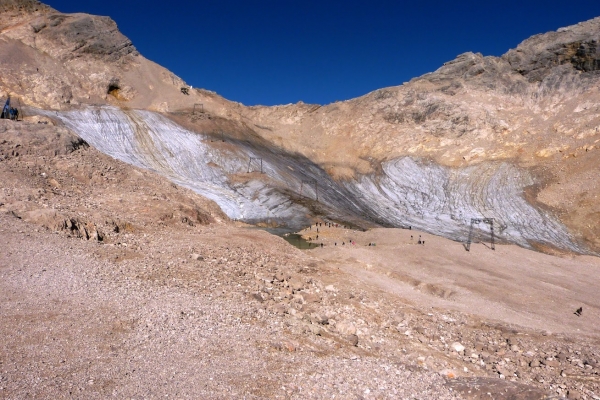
282 51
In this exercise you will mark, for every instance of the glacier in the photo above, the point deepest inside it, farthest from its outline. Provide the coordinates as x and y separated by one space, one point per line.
408 192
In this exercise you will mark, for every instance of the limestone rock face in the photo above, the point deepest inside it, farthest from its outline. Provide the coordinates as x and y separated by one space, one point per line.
73 36
575 47
534 112
55 60
21 5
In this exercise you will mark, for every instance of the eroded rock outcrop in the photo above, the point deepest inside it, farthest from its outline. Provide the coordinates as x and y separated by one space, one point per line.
575 47
21 6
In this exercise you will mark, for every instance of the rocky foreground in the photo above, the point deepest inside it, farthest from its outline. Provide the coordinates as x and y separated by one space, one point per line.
114 282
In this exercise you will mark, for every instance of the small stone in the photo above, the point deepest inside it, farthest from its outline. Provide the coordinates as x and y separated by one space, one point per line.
573 395
330 288
492 348
552 363
448 373
519 373
319 319
297 314
314 329
300 298
345 328
503 370
534 364
196 257
280 309
289 346
258 296
278 276
458 347
296 284
353 339
311 297
522 362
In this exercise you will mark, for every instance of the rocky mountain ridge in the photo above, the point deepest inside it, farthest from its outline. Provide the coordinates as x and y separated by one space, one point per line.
535 109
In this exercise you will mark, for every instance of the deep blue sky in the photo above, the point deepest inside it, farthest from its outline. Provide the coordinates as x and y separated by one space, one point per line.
279 51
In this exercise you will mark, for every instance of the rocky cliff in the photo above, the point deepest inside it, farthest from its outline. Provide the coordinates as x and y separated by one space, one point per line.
514 138
54 60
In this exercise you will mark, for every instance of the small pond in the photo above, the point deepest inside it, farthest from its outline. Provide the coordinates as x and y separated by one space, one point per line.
296 240
292 238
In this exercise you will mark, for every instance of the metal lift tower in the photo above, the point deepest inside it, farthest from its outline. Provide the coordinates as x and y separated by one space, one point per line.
477 221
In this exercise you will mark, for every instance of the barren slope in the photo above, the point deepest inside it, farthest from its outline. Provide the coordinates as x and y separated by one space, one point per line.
114 282
504 138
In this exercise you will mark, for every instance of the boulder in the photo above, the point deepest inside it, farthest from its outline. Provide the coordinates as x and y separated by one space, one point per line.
459 348
353 339
345 328
296 283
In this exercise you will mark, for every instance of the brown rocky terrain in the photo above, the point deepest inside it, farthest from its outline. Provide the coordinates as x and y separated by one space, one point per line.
536 107
115 281
56 60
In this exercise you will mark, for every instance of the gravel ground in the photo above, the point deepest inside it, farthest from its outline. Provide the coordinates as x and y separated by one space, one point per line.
76 325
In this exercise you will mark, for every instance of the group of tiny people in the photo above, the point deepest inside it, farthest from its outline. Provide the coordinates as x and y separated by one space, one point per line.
10 113
318 225
420 241
331 225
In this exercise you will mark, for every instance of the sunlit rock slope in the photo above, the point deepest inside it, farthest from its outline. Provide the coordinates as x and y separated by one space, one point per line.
514 138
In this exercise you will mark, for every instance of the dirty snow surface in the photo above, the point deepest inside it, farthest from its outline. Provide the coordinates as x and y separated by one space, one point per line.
408 192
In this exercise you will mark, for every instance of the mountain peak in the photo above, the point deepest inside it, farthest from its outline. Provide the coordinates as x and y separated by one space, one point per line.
22 5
